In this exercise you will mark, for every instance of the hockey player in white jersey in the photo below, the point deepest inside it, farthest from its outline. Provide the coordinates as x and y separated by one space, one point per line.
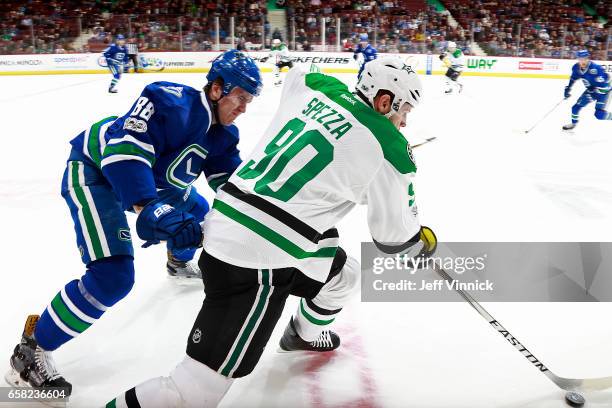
271 231
279 56
453 59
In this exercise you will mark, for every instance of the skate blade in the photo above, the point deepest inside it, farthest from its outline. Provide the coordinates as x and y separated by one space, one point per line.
280 350
185 281
13 379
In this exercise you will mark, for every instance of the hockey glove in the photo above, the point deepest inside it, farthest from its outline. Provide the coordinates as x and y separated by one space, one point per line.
429 240
442 56
567 93
263 59
161 222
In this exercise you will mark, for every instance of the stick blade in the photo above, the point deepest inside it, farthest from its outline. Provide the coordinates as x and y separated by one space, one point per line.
584 384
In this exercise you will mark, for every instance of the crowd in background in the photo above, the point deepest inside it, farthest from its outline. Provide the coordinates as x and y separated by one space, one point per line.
394 26
530 28
542 28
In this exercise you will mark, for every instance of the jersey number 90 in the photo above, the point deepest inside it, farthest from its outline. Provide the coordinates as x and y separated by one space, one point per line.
295 143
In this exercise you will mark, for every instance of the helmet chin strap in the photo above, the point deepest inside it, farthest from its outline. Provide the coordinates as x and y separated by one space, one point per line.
363 98
389 114
215 108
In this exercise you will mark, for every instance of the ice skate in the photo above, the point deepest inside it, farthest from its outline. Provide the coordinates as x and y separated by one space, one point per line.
569 126
291 341
183 269
31 366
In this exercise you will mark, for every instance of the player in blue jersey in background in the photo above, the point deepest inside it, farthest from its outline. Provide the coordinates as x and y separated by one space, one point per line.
365 48
144 162
597 83
116 57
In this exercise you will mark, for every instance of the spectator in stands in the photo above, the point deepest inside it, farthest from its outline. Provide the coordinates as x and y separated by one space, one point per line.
276 34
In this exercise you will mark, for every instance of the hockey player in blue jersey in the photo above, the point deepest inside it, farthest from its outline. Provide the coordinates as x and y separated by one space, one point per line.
365 48
144 162
116 57
597 83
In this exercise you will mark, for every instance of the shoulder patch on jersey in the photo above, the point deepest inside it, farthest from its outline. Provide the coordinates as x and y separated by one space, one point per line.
457 53
136 125
593 71
393 144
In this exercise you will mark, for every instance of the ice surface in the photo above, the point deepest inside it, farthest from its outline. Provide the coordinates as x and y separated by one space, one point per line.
483 179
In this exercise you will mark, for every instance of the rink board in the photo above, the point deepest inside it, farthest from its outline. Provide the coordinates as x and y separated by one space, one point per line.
329 62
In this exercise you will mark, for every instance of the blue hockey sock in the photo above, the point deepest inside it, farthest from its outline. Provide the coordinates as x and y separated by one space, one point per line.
82 302
69 314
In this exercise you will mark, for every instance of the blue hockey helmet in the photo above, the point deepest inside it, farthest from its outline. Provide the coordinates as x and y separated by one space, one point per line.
583 54
363 37
236 69
120 37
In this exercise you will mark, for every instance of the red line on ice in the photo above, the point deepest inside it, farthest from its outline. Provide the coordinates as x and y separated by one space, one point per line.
353 347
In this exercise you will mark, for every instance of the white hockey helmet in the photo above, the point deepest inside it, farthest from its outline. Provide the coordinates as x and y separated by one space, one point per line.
391 74
451 45
276 42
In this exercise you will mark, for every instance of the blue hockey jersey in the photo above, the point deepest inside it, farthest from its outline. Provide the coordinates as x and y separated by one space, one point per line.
369 53
164 141
594 77
116 54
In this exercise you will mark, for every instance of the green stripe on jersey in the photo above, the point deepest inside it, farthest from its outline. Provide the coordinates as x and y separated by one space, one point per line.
218 182
251 324
271 235
394 145
90 225
130 149
93 143
67 316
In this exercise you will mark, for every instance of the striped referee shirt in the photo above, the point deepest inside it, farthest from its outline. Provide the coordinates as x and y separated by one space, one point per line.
132 48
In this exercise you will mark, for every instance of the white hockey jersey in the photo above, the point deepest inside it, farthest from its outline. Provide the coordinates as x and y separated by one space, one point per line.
279 54
324 152
456 60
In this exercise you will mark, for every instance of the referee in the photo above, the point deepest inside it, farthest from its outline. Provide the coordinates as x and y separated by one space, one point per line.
132 50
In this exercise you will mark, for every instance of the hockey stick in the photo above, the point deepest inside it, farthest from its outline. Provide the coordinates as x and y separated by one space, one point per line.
544 117
568 384
429 139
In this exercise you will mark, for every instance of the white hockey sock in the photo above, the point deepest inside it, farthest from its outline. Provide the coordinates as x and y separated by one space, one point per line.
309 321
191 384
449 83
317 314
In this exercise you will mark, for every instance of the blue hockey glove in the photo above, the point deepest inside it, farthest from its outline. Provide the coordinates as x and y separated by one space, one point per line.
161 222
567 93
